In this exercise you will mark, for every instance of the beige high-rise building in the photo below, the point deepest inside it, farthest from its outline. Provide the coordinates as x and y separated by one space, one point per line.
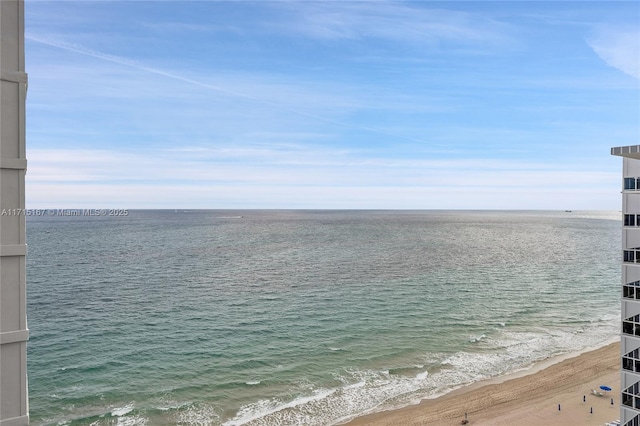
14 404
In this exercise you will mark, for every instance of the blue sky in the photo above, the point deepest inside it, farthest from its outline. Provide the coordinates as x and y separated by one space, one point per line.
337 105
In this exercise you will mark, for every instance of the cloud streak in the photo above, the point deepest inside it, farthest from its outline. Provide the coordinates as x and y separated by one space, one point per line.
287 168
619 48
399 22
134 64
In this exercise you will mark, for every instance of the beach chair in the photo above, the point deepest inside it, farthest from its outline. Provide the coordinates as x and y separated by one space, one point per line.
596 393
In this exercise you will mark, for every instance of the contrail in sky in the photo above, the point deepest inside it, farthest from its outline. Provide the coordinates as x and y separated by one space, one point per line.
133 64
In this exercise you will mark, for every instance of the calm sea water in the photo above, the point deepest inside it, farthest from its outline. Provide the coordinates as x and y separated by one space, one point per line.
303 317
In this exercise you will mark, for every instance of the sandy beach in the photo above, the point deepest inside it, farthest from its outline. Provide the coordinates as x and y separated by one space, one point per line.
527 398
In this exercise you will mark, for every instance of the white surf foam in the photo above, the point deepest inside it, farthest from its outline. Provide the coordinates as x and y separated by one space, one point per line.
366 391
198 414
121 411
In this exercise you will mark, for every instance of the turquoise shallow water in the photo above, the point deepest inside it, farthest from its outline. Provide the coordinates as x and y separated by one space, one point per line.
303 317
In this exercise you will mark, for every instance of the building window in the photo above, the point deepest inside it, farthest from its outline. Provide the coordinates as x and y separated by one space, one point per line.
629 256
627 400
631 362
633 422
630 183
629 220
630 397
631 326
631 291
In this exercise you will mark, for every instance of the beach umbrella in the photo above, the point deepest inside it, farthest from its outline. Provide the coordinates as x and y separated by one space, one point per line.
605 388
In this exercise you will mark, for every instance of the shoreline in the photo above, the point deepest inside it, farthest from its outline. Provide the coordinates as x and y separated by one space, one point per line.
531 396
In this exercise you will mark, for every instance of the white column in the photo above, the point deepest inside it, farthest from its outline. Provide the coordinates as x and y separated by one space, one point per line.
14 404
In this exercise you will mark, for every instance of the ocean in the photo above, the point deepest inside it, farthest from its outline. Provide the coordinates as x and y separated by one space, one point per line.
212 317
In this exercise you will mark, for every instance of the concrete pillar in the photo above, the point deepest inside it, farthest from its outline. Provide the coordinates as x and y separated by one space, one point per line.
14 403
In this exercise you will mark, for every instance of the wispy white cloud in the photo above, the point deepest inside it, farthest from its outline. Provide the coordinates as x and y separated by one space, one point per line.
168 27
619 48
73 47
396 21
276 178
323 103
225 196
